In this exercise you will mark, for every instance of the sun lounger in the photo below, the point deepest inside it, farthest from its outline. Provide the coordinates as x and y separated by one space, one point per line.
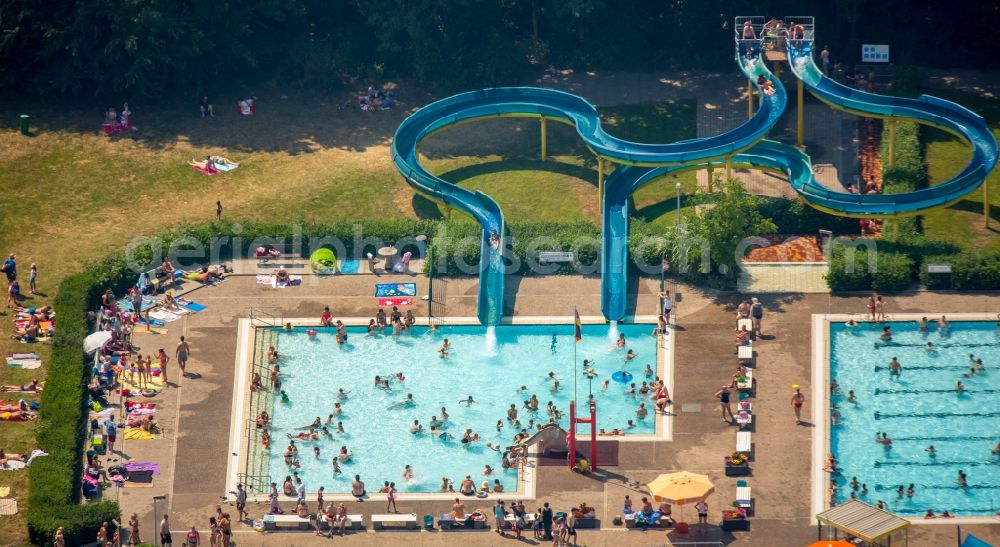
744 418
744 442
744 497
744 323
271 522
747 382
447 522
745 352
407 521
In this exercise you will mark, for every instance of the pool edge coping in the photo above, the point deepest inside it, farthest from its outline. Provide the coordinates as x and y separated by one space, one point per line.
821 378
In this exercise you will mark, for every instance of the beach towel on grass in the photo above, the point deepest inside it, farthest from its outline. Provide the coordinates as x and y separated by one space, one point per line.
4 491
385 290
226 167
204 170
350 267
139 434
27 364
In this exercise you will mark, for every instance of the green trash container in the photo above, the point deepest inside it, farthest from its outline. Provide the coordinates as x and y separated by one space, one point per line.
24 123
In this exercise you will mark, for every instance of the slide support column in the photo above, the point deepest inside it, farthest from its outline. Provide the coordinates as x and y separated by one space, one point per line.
749 99
600 185
986 203
729 171
892 143
543 139
711 175
801 125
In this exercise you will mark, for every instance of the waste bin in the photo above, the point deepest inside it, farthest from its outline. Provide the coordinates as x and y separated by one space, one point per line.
24 123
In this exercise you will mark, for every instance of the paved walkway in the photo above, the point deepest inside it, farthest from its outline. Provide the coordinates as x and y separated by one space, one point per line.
196 415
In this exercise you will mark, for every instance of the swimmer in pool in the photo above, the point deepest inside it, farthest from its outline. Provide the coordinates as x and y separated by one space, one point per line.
929 348
649 370
895 368
629 355
605 386
441 435
405 403
851 397
931 451
342 395
416 427
470 401
407 473
551 377
336 466
621 340
522 389
340 427
512 412
499 425
552 346
345 455
337 411
886 335
996 449
555 387
435 423
444 414
959 386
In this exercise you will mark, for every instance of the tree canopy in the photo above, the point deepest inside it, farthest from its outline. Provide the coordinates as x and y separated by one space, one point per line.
166 46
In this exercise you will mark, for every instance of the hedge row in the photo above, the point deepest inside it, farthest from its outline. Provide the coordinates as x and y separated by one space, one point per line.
856 271
971 271
54 495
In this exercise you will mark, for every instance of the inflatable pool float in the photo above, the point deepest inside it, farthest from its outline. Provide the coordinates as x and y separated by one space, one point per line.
323 261
148 392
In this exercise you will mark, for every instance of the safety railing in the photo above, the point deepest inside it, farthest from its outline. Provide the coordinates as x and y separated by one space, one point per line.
265 323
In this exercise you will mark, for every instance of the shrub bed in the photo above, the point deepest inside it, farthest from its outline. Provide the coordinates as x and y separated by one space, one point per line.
971 271
890 271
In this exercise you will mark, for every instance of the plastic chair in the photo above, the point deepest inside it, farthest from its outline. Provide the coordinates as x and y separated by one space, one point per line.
741 482
429 522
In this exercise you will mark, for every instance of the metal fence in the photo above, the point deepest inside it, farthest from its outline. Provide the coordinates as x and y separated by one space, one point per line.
265 323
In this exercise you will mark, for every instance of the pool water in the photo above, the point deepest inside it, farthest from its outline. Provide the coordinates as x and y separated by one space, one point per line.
919 409
378 434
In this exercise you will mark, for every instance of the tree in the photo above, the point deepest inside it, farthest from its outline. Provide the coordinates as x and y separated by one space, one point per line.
721 232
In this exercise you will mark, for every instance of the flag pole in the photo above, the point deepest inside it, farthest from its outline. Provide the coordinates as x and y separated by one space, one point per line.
576 316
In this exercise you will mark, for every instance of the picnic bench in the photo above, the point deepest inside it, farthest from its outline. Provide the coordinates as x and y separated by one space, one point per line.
271 522
744 352
529 520
408 522
354 522
447 522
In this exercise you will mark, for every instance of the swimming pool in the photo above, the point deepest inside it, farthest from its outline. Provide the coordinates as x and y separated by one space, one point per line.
377 423
919 409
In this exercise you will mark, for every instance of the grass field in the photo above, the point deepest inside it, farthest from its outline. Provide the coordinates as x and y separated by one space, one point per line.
945 156
70 194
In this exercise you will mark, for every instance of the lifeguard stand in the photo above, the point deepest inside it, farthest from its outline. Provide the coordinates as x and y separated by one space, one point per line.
773 35
571 438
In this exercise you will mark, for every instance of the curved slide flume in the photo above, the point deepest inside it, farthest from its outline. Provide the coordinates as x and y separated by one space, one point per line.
927 110
627 179
559 106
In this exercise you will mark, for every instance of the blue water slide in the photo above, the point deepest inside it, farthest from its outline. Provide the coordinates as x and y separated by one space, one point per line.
560 106
926 109
626 179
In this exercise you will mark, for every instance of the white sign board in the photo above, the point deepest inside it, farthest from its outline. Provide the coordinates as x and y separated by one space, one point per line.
874 53
555 256
939 268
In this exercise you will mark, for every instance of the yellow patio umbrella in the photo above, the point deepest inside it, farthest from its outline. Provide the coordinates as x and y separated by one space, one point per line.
681 487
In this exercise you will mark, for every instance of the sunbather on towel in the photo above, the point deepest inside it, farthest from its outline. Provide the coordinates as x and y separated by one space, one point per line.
170 303
281 276
205 166
222 160
30 334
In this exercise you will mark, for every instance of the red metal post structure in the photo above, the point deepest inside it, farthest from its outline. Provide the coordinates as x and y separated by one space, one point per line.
592 420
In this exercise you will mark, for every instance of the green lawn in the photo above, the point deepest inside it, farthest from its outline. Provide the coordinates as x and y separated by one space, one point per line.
945 156
70 194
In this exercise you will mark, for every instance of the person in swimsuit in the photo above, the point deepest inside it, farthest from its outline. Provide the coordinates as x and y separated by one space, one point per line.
895 368
798 399
358 488
181 353
871 307
723 396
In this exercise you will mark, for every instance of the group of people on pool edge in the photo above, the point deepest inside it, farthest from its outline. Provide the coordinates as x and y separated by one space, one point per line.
511 456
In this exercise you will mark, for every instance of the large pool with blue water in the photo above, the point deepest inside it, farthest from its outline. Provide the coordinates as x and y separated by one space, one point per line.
377 421
919 408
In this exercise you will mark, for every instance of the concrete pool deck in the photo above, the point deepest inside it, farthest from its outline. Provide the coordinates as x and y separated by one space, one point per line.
194 453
